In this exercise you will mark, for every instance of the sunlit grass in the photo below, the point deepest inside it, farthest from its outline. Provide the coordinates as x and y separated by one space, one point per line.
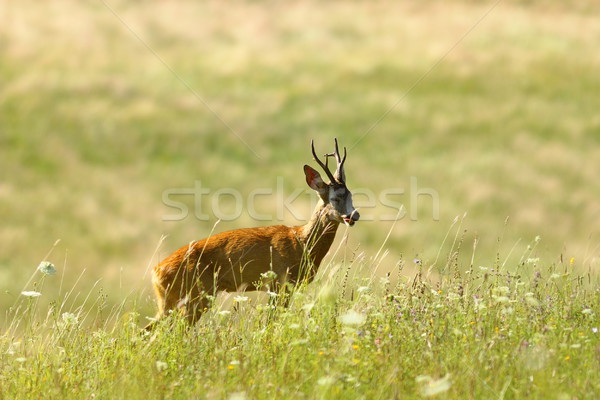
486 332
95 127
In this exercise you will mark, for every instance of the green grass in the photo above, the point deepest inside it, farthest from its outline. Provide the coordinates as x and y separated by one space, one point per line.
483 333
94 128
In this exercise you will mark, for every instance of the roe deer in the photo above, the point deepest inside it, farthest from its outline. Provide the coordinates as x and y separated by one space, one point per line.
241 258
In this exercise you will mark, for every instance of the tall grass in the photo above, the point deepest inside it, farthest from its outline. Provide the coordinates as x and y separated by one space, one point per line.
94 127
493 331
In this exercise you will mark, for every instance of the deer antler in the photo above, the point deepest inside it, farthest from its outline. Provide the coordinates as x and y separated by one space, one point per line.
339 175
325 167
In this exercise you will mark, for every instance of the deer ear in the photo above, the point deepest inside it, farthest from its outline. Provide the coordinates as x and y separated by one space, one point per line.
313 178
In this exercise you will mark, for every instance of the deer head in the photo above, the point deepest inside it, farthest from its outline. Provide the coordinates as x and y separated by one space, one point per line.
335 195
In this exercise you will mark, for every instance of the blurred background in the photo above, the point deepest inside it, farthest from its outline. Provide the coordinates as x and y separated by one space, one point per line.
104 106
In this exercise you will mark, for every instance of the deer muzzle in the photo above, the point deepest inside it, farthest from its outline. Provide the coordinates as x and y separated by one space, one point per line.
352 218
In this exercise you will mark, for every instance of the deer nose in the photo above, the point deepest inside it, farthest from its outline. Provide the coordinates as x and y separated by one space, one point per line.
352 218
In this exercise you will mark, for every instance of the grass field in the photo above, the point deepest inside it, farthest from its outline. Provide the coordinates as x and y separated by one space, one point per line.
107 106
483 333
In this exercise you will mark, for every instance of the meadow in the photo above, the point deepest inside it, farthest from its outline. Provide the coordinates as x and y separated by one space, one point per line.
485 333
479 118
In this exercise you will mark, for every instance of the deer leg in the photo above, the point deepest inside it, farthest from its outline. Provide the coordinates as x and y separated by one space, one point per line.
196 300
195 308
161 302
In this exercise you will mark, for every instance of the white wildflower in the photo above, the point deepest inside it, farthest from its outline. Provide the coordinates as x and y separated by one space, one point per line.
325 381
101 334
431 387
268 275
31 293
210 298
508 310
501 290
240 299
453 296
70 319
352 317
47 268
237 396
224 312
161 366
363 289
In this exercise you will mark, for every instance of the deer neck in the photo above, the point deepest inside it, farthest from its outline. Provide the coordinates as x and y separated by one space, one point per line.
318 234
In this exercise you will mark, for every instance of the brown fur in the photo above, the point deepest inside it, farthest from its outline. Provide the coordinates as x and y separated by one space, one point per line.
234 260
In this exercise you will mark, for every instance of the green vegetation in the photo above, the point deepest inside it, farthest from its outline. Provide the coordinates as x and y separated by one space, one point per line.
482 333
103 108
